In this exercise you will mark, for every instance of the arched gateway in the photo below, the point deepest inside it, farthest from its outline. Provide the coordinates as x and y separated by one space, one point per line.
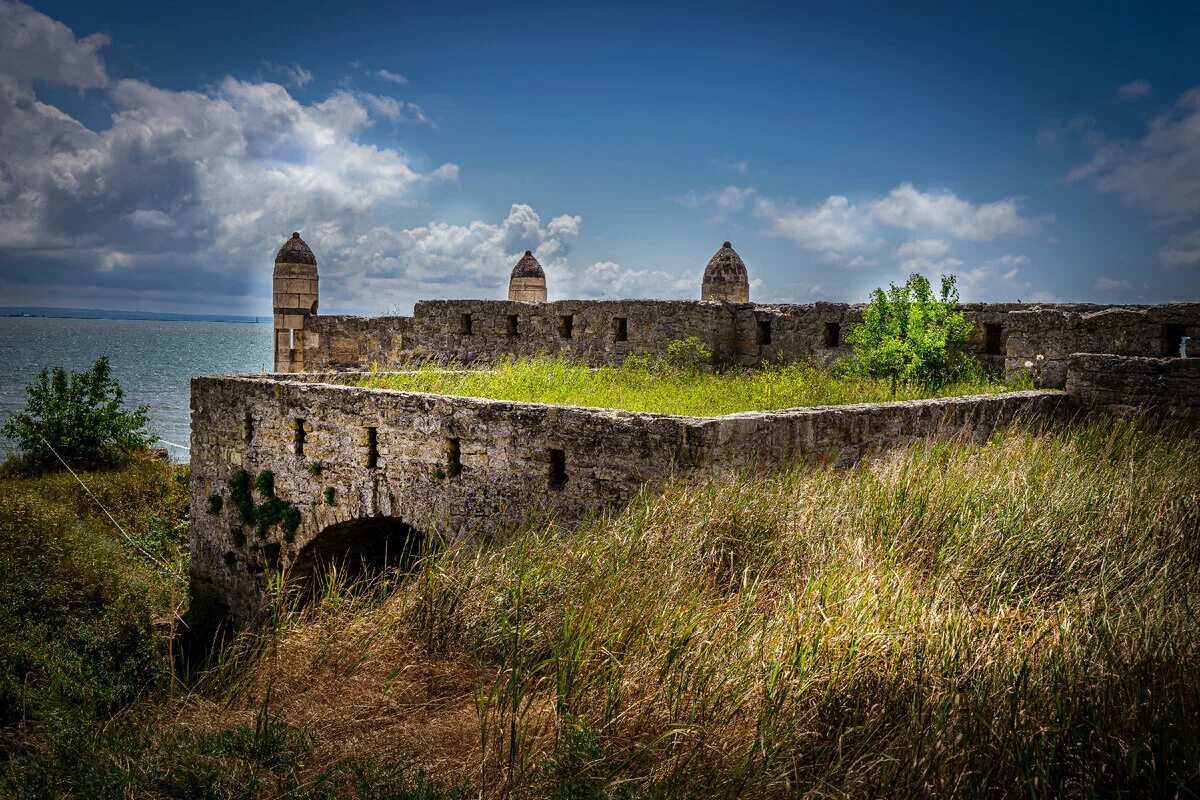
357 548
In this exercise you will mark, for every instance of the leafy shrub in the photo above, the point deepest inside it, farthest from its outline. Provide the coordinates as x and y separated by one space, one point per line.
689 353
909 335
81 415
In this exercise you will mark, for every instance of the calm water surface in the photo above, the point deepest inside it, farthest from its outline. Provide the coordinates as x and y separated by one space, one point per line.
153 361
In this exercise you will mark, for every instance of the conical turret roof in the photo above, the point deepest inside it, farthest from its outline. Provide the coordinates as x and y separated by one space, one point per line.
295 251
528 267
726 266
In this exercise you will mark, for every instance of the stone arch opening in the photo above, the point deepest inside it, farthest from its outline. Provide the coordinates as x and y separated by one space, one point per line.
358 548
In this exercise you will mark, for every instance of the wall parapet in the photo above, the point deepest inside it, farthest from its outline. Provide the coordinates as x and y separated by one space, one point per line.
1130 383
463 467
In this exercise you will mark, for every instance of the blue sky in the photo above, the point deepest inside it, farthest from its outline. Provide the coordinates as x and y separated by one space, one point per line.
154 157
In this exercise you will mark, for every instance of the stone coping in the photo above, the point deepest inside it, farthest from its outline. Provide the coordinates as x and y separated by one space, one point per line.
339 381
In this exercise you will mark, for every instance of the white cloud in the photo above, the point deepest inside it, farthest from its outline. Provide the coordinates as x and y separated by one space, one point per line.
151 219
1182 250
383 265
923 248
943 211
1160 172
721 203
607 279
392 108
392 77
446 172
36 47
293 74
832 226
996 278
232 161
1106 284
565 225
229 169
842 230
1134 90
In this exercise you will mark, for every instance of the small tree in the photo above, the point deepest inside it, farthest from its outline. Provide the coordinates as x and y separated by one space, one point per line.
82 416
908 334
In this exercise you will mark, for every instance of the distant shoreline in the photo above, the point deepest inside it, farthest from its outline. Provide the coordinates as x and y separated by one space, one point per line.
100 313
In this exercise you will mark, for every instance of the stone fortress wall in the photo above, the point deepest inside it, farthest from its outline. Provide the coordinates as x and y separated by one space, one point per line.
362 469
463 467
1007 335
738 332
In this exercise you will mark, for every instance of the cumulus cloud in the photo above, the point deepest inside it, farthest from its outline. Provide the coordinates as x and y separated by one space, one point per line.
839 225
833 226
1134 90
388 268
607 279
907 207
997 278
183 188
36 47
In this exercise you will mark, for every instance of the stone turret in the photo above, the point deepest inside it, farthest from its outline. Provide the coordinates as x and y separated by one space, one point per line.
528 282
725 277
294 292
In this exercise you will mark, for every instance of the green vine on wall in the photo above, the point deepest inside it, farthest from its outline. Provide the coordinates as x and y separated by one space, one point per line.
271 511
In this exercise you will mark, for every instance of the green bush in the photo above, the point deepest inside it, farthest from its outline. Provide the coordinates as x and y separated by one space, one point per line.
689 353
81 416
77 606
910 335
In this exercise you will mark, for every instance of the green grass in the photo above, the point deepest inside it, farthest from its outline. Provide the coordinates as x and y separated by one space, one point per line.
78 608
91 702
642 386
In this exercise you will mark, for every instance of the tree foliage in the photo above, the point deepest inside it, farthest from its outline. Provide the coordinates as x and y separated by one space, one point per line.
909 334
82 416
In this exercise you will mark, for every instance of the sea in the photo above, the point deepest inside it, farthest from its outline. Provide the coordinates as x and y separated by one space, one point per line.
154 361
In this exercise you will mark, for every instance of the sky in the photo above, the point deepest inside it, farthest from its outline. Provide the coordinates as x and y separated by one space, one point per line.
154 156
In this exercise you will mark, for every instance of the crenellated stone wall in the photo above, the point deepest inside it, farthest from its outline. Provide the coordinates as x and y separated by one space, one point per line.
344 342
465 467
1007 335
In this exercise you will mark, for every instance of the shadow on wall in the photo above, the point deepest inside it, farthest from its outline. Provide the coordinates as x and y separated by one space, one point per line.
360 548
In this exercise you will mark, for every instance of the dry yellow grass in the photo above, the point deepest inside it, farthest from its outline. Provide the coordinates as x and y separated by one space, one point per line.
1009 619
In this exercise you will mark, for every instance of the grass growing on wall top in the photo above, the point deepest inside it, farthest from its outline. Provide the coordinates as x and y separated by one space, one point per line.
641 385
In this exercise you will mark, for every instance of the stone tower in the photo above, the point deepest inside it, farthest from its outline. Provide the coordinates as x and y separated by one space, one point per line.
528 282
725 277
294 292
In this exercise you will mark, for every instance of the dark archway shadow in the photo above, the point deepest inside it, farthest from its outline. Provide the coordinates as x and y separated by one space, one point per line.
357 549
